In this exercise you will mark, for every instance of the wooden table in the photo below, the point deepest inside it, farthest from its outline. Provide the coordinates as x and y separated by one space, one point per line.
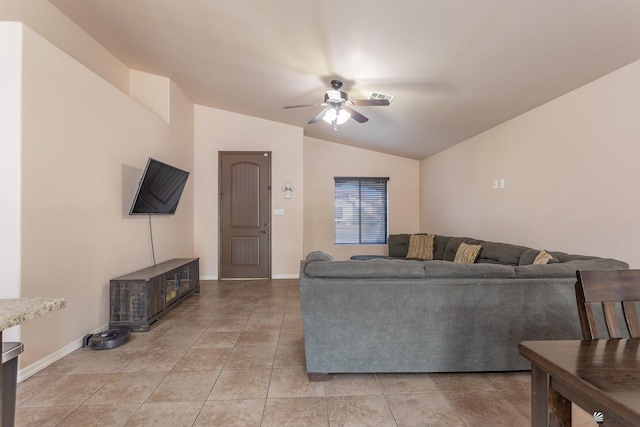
599 376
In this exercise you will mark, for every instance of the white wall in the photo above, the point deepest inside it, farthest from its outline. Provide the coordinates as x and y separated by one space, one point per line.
45 19
325 160
10 165
217 130
570 170
80 134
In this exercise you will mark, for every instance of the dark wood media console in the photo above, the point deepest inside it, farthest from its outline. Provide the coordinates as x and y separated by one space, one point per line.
140 298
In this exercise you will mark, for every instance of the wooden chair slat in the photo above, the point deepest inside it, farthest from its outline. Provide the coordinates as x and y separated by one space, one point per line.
631 317
613 290
609 310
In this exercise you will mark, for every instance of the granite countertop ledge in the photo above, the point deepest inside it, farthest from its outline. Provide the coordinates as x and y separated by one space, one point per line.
14 311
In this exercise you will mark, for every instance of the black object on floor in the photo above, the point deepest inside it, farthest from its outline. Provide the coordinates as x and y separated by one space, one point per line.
112 338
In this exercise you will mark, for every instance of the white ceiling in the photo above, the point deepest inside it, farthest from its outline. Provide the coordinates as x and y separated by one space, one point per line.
456 67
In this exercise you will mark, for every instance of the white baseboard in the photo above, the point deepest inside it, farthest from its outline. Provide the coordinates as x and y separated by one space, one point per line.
38 366
213 277
285 276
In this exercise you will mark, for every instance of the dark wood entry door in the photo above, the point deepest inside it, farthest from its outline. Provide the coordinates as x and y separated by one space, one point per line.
245 214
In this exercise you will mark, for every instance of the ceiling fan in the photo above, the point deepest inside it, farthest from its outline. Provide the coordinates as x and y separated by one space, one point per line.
338 106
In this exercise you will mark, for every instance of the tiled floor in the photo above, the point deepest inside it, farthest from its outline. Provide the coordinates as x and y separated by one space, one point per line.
234 356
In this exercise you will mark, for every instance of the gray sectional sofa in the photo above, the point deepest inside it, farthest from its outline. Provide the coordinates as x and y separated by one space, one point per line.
391 314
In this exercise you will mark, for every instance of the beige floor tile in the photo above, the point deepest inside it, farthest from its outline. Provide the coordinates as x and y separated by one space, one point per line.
112 415
69 390
66 364
462 382
166 414
227 325
203 359
293 382
142 340
485 408
266 339
248 383
153 362
352 385
289 355
264 323
34 385
42 417
406 383
217 340
234 312
295 412
423 409
130 387
184 386
251 356
520 398
226 413
355 411
508 380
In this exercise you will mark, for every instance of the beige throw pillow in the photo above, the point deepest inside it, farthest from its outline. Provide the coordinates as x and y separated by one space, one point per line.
467 254
543 257
421 246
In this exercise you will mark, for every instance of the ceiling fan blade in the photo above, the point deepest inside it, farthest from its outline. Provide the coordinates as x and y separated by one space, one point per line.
356 116
370 102
304 105
319 116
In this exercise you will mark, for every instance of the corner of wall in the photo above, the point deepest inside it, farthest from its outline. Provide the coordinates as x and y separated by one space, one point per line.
11 58
152 91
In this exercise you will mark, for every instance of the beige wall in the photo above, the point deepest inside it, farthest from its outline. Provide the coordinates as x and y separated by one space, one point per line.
570 170
43 18
81 138
217 130
10 164
323 161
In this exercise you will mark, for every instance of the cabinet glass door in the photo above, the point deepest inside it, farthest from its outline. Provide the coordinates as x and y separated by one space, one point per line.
185 280
171 288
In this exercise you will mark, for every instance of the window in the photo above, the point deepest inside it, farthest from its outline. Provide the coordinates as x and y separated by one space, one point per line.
360 211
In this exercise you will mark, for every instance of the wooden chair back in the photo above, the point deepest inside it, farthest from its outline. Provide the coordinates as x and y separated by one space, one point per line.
617 292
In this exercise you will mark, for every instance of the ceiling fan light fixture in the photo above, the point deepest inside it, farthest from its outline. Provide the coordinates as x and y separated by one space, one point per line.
339 116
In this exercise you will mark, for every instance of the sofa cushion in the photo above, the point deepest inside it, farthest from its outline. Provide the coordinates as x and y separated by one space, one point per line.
535 271
543 257
319 256
451 270
500 253
398 245
569 268
439 246
529 255
420 246
467 254
369 269
452 246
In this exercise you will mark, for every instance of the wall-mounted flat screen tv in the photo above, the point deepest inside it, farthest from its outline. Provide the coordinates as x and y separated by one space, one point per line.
159 190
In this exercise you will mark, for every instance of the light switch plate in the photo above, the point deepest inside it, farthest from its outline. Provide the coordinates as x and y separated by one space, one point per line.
278 212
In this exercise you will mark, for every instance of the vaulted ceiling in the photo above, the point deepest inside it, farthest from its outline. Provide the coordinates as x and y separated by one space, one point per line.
455 67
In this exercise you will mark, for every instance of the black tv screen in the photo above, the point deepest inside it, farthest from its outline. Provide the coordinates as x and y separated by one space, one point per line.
159 190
